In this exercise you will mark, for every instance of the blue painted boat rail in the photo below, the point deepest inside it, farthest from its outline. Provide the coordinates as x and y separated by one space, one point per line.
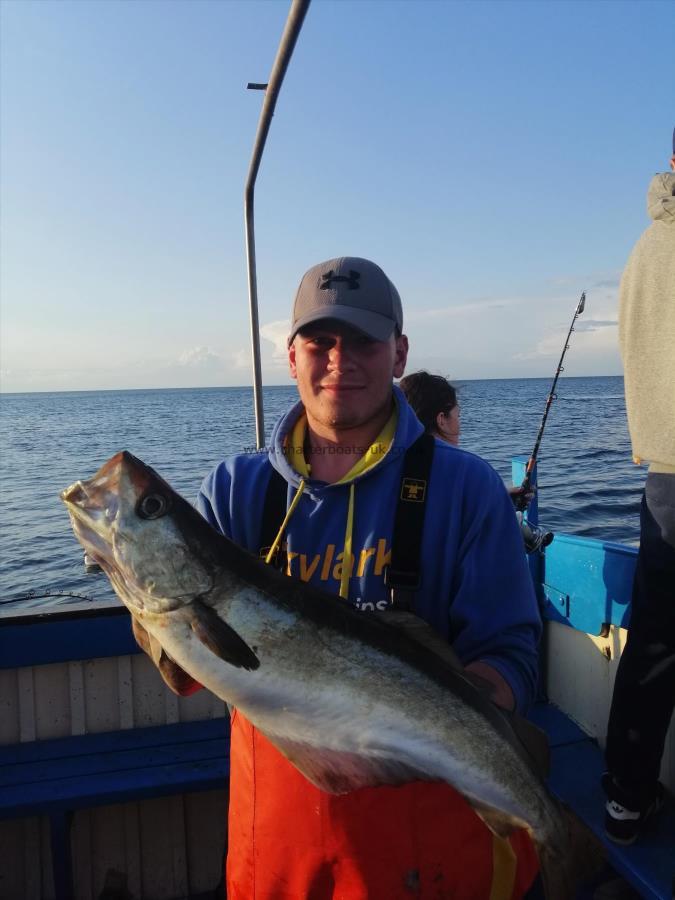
79 632
586 583
581 582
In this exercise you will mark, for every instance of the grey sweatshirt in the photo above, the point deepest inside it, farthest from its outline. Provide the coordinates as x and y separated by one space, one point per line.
647 331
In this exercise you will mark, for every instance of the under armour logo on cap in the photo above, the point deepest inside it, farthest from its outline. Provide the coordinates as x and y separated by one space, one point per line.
351 290
352 279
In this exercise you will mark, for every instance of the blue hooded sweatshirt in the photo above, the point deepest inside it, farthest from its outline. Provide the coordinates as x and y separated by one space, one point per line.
476 588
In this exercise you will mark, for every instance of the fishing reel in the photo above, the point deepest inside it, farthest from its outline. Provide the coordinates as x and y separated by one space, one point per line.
535 537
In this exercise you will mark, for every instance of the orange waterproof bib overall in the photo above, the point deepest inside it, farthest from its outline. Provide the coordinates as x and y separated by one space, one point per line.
290 841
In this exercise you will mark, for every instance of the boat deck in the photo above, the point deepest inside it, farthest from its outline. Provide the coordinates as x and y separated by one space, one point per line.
577 762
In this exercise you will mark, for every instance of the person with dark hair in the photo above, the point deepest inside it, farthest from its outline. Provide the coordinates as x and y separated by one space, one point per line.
434 400
644 691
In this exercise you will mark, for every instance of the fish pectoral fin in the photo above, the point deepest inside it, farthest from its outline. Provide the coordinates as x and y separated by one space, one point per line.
174 677
178 680
222 640
155 650
145 640
339 772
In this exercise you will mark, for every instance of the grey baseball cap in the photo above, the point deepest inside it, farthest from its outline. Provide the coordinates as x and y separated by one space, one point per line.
351 290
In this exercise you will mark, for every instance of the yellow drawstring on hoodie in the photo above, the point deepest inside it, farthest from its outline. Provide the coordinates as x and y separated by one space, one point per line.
372 456
347 554
280 533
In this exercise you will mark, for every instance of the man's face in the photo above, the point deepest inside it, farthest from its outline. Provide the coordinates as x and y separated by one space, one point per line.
672 162
344 377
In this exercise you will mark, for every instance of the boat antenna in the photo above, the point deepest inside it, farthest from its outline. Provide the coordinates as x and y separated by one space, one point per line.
521 501
294 22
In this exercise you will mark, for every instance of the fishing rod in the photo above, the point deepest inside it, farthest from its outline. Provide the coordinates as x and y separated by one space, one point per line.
294 22
521 501
40 595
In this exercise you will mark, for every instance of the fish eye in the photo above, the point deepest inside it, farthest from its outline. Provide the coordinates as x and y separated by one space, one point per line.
152 506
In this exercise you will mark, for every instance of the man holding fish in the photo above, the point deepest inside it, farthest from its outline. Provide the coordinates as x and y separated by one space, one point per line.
342 788
345 347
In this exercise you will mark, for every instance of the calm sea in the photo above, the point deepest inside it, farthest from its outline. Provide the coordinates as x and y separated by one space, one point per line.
587 482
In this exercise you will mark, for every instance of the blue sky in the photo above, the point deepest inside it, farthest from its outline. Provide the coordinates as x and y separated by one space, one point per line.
492 157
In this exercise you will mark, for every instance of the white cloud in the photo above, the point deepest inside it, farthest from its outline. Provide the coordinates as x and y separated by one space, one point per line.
607 278
460 309
277 334
200 358
241 358
612 283
274 333
596 335
594 324
599 336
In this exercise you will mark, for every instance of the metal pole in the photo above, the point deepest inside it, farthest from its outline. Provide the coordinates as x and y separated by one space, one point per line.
294 22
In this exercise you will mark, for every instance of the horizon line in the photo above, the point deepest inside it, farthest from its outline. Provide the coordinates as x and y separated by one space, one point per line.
249 387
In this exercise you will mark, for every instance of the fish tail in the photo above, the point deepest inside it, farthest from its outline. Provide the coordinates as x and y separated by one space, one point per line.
571 859
587 851
557 876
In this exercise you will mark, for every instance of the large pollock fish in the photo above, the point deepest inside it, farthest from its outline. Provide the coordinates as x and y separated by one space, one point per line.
351 698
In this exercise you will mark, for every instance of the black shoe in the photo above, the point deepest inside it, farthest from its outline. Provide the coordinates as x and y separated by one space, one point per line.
626 812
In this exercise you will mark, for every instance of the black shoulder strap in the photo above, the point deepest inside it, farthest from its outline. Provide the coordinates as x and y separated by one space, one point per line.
274 511
402 576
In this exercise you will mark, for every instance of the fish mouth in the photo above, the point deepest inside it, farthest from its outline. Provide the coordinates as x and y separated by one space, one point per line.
106 521
93 506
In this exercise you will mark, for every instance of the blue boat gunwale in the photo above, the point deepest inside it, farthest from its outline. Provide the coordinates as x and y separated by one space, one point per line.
68 635
71 611
586 583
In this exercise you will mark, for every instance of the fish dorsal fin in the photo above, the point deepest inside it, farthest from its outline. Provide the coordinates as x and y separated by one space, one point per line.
338 771
220 638
421 632
535 742
426 636
533 739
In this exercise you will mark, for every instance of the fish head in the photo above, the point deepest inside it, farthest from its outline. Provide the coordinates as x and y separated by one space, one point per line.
143 534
